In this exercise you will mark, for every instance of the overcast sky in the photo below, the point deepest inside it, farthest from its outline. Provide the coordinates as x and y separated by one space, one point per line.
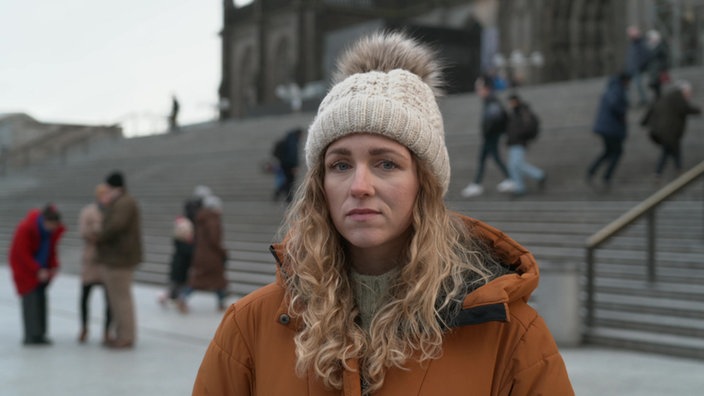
102 62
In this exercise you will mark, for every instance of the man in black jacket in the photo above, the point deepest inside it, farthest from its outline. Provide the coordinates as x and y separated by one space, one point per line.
493 125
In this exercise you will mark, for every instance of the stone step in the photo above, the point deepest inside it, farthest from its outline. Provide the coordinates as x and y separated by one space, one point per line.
646 322
691 347
651 305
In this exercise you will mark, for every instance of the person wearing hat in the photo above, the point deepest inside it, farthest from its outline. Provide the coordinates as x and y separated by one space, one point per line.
34 261
119 251
380 288
207 270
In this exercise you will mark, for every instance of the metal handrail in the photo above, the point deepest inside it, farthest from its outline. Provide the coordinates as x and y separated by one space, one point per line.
645 208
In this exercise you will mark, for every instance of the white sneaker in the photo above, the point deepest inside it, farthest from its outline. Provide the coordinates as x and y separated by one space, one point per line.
472 190
506 186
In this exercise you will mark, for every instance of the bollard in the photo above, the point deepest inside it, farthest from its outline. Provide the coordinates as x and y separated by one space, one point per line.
557 300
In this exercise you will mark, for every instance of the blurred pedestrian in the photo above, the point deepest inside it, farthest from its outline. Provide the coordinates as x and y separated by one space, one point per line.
173 116
523 127
34 262
184 243
119 251
90 220
667 122
286 152
207 270
195 202
611 126
493 125
183 238
637 56
380 288
658 63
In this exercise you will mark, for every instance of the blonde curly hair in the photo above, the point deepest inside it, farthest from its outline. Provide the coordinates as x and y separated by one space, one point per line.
440 264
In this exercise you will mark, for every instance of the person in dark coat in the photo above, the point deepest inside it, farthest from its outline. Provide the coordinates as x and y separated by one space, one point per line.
637 55
611 125
173 116
183 240
286 152
34 262
667 122
207 270
180 259
493 125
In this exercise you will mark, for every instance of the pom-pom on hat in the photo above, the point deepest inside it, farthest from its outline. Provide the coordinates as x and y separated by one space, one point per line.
386 84
115 179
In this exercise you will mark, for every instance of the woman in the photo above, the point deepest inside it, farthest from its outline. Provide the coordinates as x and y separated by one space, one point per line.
89 224
380 289
207 271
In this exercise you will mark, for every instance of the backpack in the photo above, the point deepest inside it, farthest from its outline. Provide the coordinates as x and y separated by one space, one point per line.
530 123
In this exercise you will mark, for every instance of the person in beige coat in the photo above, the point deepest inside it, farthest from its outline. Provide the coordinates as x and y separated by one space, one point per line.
89 223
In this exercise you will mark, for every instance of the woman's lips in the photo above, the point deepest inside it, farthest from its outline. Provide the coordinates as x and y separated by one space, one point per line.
361 214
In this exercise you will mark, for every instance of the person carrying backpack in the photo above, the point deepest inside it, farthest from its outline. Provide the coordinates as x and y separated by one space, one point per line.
523 127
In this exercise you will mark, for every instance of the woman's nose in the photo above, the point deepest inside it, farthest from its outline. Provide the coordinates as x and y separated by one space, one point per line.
362 182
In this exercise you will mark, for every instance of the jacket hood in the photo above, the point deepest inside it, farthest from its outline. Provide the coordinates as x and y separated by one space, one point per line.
489 302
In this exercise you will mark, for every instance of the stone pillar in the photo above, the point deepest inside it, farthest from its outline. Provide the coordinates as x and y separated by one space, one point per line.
557 301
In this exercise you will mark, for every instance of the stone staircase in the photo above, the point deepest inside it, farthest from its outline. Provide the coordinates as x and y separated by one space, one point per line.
161 171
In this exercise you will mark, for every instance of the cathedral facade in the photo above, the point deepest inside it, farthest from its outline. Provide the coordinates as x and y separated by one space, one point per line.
278 55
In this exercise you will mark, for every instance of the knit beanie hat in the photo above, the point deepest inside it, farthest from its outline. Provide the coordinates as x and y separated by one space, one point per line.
386 84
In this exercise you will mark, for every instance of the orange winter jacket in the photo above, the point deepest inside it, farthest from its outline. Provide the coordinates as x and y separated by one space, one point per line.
498 346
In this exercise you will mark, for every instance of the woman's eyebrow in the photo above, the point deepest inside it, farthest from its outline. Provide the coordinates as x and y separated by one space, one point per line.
339 151
384 150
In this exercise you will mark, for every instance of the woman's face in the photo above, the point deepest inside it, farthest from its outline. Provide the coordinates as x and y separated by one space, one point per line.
371 186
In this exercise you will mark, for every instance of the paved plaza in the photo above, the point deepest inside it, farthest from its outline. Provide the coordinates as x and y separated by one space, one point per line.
170 347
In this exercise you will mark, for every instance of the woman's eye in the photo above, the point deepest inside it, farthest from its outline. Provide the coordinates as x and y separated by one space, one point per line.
388 165
340 166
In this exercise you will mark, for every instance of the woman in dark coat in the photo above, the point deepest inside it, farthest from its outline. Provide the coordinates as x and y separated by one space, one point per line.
667 122
207 270
611 126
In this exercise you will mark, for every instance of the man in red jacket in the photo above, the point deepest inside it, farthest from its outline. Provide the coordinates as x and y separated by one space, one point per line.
33 259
